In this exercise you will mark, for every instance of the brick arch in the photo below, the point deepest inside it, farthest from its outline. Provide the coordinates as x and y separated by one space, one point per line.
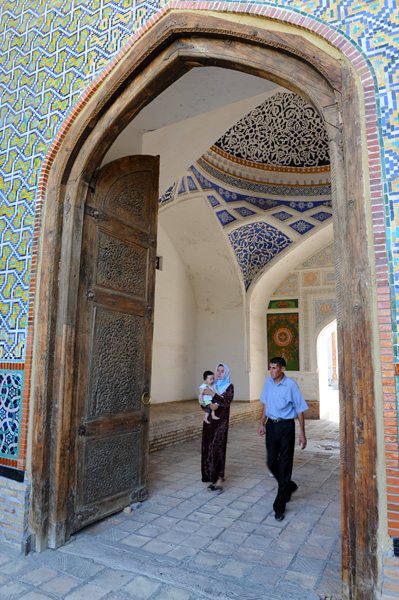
173 44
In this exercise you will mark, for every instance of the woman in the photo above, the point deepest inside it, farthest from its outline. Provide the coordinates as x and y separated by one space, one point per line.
214 434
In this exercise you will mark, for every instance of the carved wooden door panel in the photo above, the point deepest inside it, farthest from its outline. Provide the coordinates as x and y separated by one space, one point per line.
108 467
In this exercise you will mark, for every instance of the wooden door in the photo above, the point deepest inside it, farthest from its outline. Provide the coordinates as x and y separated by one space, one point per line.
108 467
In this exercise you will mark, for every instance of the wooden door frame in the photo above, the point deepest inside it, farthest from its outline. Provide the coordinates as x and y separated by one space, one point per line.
177 43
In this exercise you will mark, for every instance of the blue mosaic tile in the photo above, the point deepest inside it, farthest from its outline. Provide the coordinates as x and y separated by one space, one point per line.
282 215
255 245
168 195
225 217
244 211
321 216
264 188
191 184
213 201
10 410
182 187
301 226
260 202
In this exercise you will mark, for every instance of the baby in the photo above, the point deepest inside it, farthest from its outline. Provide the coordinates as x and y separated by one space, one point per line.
205 399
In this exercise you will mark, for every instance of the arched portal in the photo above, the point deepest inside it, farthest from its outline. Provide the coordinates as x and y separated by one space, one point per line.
174 46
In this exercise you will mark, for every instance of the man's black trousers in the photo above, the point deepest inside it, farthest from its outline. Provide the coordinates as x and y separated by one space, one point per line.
280 444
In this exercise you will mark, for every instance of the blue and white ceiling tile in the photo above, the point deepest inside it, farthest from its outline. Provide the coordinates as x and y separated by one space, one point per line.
292 191
244 211
191 184
213 201
225 217
260 170
169 195
182 187
282 215
255 245
263 203
321 216
301 226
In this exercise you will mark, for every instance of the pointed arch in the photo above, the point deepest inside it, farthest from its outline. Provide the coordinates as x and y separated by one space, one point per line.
174 43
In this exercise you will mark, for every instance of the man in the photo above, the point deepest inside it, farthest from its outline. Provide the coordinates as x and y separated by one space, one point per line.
283 402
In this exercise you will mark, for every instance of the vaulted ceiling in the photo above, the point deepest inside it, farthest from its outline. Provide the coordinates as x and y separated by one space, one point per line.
267 181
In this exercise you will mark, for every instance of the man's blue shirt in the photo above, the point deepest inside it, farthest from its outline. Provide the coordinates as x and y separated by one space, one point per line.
283 400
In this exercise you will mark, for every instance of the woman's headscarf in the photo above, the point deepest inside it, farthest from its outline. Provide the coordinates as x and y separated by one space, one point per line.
222 384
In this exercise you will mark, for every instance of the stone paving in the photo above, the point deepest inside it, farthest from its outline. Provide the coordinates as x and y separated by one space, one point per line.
185 543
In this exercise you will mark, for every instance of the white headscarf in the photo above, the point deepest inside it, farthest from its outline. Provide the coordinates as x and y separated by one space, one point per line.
222 384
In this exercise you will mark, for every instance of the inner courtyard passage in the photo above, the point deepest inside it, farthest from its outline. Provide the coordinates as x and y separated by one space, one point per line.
185 543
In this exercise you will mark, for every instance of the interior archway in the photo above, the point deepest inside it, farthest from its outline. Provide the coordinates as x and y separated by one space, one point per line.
92 134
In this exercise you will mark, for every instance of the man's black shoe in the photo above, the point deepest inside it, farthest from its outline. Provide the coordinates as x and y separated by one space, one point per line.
279 516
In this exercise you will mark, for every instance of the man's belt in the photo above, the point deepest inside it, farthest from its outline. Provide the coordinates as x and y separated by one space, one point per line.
278 420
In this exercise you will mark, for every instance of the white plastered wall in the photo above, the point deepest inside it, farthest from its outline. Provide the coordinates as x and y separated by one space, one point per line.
198 291
174 327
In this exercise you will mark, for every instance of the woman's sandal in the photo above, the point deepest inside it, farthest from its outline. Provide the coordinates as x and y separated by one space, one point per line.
211 488
218 489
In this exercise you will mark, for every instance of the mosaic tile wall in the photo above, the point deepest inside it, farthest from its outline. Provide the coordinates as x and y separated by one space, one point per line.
50 50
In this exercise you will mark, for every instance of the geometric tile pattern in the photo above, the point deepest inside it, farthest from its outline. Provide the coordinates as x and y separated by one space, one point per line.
10 408
213 201
322 258
290 286
325 309
301 226
282 215
321 216
255 245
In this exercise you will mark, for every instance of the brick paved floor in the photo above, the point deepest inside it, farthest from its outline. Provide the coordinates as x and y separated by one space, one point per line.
185 543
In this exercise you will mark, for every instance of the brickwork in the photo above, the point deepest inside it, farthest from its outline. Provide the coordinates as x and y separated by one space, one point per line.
169 432
390 582
14 511
314 409
177 425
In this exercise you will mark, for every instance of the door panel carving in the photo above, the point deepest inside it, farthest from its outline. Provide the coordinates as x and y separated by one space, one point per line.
121 266
108 466
116 368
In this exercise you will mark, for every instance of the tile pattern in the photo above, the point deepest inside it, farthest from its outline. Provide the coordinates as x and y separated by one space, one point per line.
324 310
10 411
283 338
304 191
255 245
